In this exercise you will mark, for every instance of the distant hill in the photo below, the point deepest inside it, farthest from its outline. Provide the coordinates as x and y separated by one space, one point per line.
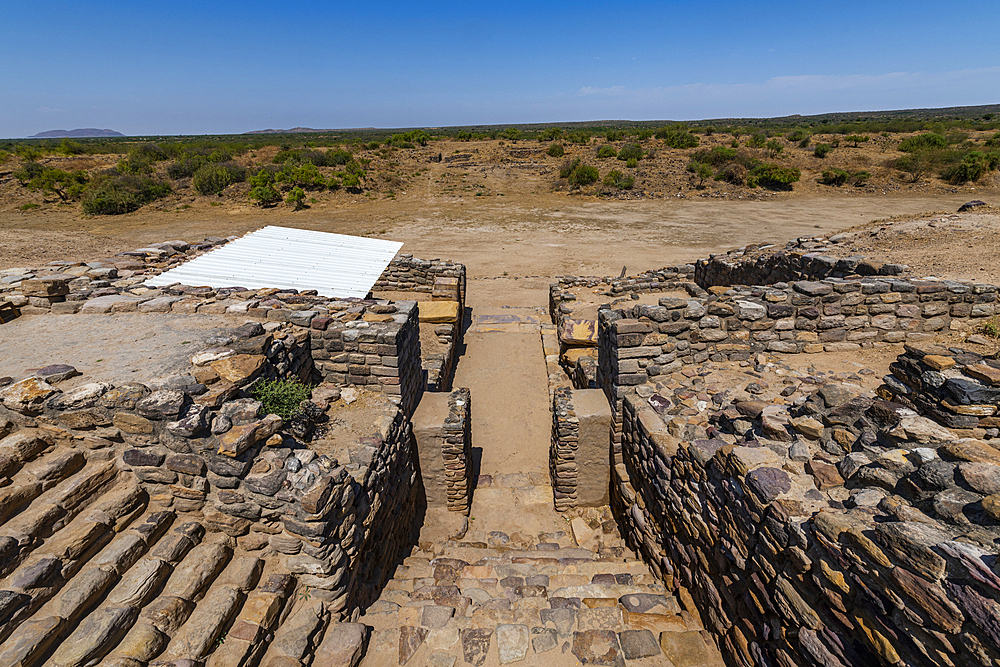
79 133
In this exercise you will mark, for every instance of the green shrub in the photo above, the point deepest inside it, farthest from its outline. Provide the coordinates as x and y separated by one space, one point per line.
991 327
606 151
822 150
717 156
614 135
994 141
677 138
834 176
66 185
757 140
184 168
281 397
28 153
578 137
556 150
265 195
857 139
567 167
772 176
915 164
804 143
551 134
297 196
974 165
632 163
409 139
211 179
701 171
797 135
583 174
774 148
922 141
630 152
69 147
114 194
616 179
306 175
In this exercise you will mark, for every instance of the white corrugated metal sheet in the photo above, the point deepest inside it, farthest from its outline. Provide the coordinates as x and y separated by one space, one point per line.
334 265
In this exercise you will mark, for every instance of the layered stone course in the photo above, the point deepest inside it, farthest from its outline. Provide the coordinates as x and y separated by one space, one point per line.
802 259
826 520
579 452
196 450
406 273
956 387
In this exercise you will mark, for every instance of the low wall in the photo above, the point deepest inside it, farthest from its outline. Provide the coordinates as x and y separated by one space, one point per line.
802 259
785 574
955 387
407 274
579 460
442 430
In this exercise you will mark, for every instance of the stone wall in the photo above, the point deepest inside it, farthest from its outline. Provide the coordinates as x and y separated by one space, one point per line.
643 342
199 443
789 567
442 430
745 267
408 274
377 347
955 387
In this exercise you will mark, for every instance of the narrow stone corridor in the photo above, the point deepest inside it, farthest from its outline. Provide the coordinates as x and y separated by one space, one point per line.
521 582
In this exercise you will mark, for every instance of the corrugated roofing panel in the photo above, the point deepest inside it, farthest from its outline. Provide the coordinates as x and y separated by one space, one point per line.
334 265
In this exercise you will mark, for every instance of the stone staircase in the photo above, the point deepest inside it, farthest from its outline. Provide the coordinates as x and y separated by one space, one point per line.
94 571
493 598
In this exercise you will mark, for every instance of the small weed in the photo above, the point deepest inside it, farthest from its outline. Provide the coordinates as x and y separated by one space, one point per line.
280 397
221 640
99 361
304 594
991 327
185 342
215 203
28 207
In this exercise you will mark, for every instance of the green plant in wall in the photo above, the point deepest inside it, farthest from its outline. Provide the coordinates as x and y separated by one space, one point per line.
280 397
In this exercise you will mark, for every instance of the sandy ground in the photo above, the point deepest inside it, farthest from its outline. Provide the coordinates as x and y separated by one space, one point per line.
530 235
129 347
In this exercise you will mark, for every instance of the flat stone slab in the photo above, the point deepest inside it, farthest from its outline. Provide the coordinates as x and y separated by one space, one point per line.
113 347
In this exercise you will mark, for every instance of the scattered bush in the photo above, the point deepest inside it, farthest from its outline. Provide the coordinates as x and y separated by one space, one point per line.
717 156
757 140
66 185
838 177
408 139
822 150
774 148
915 164
306 175
614 135
857 139
211 179
297 196
28 153
701 171
772 176
583 174
114 194
606 151
556 150
797 135
677 138
804 143
281 397
567 167
922 141
616 179
974 165
994 141
69 147
550 134
630 152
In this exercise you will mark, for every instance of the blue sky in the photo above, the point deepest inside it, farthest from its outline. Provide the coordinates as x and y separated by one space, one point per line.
225 67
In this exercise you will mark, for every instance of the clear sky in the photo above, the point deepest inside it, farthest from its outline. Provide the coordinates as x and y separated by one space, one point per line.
203 67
